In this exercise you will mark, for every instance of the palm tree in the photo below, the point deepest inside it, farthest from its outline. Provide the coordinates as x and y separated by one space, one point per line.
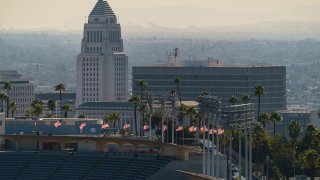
275 117
82 116
52 105
13 106
60 87
177 83
245 98
264 118
7 86
135 100
3 97
259 90
205 93
66 108
113 118
294 131
143 86
37 108
233 100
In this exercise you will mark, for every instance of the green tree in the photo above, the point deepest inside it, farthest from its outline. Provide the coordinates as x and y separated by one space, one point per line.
82 116
61 88
264 119
143 87
176 81
311 162
13 106
36 108
52 105
135 100
275 117
294 131
245 98
259 90
205 93
114 117
8 87
233 100
66 108
3 97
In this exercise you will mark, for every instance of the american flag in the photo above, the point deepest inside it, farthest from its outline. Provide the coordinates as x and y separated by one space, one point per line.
204 129
82 126
220 131
191 129
57 124
164 127
105 126
180 128
126 126
145 127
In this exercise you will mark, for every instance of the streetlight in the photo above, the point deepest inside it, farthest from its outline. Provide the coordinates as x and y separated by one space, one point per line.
267 159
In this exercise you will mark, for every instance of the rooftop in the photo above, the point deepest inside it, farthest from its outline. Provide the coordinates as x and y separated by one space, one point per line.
102 8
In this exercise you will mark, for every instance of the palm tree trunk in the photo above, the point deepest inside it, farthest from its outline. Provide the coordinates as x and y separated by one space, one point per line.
60 104
66 114
12 112
179 94
135 119
7 114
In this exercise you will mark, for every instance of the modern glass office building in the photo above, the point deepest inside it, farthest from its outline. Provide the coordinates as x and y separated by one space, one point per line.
219 79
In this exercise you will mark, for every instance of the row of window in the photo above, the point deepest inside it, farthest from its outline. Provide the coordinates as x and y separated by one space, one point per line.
93 49
94 36
90 60
91 74
91 89
90 84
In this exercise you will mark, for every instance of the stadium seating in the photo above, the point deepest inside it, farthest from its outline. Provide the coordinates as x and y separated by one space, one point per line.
79 165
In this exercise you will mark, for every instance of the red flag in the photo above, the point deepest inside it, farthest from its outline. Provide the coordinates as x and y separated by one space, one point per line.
204 129
220 131
126 126
145 127
180 128
191 129
105 126
57 124
82 126
164 127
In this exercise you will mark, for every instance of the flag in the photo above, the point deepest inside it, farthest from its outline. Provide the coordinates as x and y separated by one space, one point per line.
180 128
57 124
220 131
82 126
105 126
145 127
204 129
211 131
195 129
164 127
126 126
191 129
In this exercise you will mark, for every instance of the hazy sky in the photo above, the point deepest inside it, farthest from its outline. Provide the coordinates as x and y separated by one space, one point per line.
27 14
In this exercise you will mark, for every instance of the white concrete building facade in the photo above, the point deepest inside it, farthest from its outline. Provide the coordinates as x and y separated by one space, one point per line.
22 92
102 65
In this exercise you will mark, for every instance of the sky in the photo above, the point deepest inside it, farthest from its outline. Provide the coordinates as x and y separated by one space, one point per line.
70 14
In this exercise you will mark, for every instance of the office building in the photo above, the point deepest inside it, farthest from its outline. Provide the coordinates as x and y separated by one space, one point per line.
102 65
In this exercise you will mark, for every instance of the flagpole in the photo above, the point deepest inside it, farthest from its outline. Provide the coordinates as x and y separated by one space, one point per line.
162 133
208 146
203 152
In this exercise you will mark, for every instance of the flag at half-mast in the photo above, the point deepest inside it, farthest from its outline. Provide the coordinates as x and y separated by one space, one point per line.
105 126
146 127
82 126
164 127
126 126
57 123
179 128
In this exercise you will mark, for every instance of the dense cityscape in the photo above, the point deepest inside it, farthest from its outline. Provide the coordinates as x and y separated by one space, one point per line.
111 105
